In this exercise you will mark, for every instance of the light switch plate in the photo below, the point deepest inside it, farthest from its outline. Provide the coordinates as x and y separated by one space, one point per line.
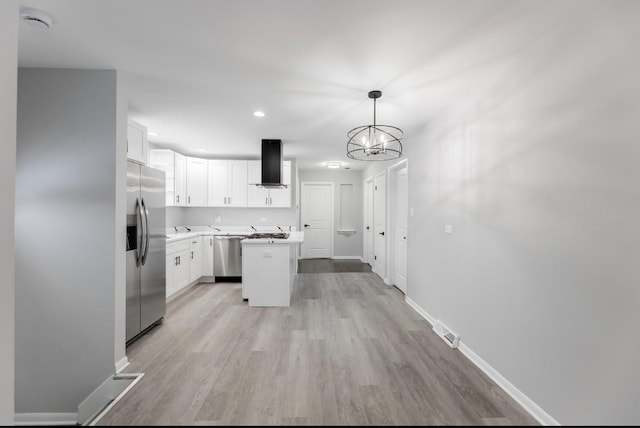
411 212
448 228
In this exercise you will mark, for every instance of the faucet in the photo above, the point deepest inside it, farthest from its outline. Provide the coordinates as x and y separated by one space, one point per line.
280 229
188 229
176 228
254 228
214 228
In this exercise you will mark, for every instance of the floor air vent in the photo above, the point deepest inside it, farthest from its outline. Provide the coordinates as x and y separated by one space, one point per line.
447 335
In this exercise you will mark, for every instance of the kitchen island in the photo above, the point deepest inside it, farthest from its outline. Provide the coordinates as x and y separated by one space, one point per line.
269 267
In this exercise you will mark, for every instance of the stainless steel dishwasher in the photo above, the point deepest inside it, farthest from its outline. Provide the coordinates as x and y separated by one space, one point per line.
227 257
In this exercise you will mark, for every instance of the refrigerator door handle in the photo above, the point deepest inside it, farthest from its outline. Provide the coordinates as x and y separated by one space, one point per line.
139 232
145 232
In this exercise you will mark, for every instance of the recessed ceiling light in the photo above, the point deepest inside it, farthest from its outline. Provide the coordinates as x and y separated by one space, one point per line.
153 134
258 113
36 18
333 165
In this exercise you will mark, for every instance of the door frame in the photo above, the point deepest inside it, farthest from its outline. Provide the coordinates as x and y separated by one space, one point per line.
331 217
367 209
391 201
385 274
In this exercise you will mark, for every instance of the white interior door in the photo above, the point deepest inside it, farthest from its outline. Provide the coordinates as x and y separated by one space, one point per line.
380 221
316 214
400 218
368 221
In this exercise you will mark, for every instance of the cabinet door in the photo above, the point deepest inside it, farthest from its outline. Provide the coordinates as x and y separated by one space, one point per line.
217 183
163 159
256 196
181 272
237 185
281 198
137 142
170 268
207 256
197 172
195 258
180 179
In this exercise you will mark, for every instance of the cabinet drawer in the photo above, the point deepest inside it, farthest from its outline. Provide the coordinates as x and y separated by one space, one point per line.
177 246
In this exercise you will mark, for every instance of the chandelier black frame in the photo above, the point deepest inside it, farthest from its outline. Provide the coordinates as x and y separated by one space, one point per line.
374 142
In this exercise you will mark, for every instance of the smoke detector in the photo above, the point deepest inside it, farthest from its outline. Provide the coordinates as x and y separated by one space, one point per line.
36 18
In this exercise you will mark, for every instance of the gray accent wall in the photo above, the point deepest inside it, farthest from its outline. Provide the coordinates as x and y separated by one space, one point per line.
344 244
539 175
8 85
67 241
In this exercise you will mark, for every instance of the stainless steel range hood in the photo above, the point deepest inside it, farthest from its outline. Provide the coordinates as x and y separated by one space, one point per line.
272 164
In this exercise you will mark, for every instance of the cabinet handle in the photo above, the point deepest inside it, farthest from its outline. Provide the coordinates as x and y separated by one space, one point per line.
266 201
188 199
229 200
192 255
175 261
178 261
270 201
177 199
211 242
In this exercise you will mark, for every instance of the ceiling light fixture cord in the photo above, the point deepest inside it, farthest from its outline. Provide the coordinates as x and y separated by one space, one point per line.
374 142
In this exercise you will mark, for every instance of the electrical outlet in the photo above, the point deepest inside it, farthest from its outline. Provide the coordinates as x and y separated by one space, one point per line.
411 212
448 228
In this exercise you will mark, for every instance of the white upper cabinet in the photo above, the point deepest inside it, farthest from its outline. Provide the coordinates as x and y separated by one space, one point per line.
197 182
257 196
180 180
268 197
137 145
227 183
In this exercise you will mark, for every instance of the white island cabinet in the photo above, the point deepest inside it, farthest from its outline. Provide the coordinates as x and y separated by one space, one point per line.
269 267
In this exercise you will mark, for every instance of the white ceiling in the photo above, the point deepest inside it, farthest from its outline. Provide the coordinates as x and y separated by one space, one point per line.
196 70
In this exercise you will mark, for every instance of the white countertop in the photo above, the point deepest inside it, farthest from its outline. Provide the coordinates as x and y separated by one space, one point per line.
294 237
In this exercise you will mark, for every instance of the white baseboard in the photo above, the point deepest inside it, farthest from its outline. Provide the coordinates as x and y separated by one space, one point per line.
431 320
46 419
363 260
181 291
527 404
122 364
346 257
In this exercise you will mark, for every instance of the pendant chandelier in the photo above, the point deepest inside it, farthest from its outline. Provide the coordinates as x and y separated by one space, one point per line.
374 142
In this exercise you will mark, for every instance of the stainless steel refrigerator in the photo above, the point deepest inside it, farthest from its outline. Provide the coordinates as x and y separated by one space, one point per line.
146 248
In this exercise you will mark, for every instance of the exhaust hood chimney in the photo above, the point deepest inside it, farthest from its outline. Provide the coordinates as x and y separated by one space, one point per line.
272 163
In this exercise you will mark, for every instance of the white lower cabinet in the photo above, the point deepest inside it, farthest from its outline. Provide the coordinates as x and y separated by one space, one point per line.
195 258
207 256
177 266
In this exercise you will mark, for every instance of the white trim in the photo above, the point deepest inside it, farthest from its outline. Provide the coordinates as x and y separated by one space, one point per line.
382 275
137 376
366 207
431 320
45 418
363 260
346 257
122 364
331 217
527 404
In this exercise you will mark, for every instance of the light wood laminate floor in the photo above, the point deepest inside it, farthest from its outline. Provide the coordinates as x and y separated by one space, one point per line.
348 351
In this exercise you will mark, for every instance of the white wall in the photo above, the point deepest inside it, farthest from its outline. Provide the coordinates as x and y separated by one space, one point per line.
344 244
8 89
67 239
539 174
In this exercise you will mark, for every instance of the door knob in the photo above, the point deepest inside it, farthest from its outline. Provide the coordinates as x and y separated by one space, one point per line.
381 233
367 227
307 225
